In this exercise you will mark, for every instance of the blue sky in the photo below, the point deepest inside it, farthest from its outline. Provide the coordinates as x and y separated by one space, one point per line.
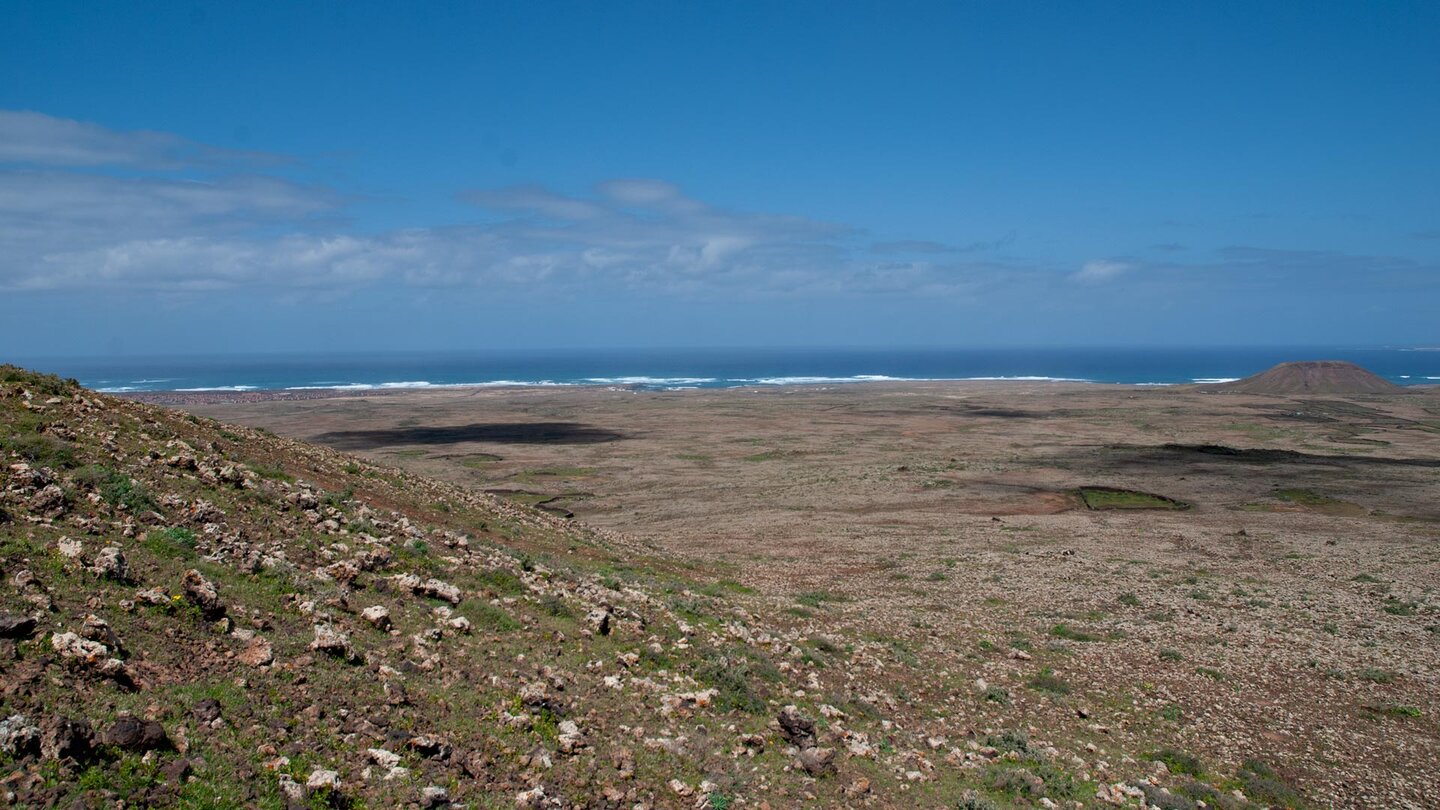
323 176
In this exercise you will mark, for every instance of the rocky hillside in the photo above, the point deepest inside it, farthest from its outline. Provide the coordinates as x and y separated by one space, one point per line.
199 615
1310 377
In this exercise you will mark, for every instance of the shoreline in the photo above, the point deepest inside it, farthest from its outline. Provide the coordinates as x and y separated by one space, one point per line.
225 396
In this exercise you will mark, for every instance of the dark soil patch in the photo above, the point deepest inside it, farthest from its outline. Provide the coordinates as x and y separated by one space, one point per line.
1220 452
500 433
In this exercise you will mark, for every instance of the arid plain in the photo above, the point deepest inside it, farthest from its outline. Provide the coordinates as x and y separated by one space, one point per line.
1276 600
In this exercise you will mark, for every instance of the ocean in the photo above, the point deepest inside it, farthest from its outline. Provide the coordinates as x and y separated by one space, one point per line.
714 368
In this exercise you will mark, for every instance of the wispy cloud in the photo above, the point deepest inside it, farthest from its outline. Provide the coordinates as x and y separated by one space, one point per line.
174 222
922 247
87 208
36 139
1097 271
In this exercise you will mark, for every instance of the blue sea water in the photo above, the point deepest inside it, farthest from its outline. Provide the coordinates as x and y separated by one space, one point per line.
715 368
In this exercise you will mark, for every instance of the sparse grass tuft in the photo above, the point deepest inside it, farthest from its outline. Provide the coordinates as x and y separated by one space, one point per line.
816 599
117 489
1177 761
1261 784
996 694
1047 681
176 542
737 672
1071 634
39 448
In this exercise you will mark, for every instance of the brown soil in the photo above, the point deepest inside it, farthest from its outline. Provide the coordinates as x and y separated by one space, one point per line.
1310 377
937 515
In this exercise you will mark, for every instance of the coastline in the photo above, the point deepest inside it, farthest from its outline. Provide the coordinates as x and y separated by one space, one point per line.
229 397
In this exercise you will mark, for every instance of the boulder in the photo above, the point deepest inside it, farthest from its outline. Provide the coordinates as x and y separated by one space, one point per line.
817 761
19 736
110 563
16 626
257 653
201 593
378 616
207 710
63 738
330 641
321 779
796 728
134 734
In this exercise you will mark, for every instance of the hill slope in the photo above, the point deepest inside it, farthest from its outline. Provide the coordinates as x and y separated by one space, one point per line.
199 615
1310 377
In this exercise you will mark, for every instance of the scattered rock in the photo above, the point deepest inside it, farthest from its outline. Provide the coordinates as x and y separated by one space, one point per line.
110 563
257 653
430 746
796 728
434 796
201 592
331 642
134 734
63 738
18 736
72 647
817 761
377 615
383 758
176 771
153 597
569 738
15 626
207 710
432 588
49 501
599 620
321 779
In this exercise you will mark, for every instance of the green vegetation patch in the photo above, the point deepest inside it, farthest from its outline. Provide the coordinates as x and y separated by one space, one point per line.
117 489
1262 784
1317 502
1305 497
1071 634
553 472
817 598
48 384
176 542
1047 681
768 455
1177 761
739 673
39 448
1393 710
1101 498
272 472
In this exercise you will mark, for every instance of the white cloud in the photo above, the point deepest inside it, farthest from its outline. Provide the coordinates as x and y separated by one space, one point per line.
1097 271
37 139
178 219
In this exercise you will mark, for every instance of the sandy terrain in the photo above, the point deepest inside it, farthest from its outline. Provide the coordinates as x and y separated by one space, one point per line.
1289 614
